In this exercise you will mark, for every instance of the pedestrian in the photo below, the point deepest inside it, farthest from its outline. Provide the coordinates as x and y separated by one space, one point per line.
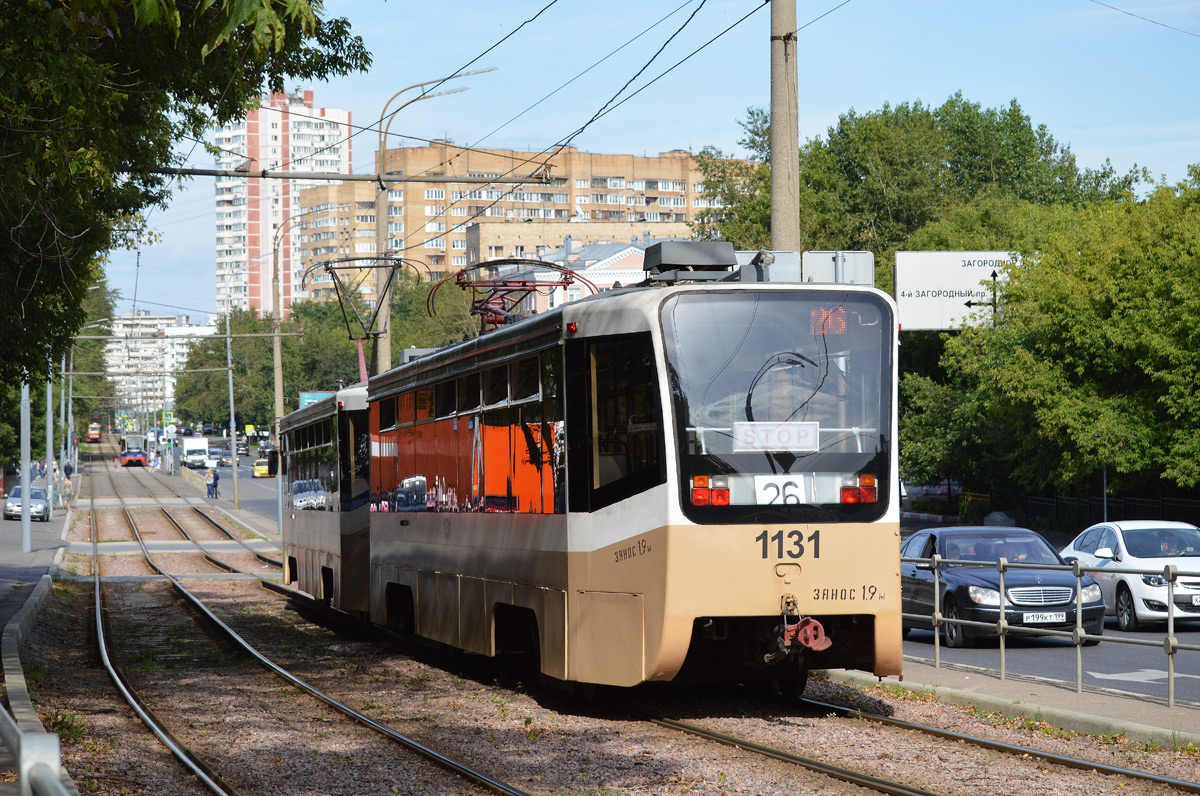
216 484
68 490
210 481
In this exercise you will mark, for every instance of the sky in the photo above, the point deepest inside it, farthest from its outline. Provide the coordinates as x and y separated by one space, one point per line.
1114 80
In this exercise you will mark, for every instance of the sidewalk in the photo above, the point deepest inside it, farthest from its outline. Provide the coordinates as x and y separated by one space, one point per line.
1096 711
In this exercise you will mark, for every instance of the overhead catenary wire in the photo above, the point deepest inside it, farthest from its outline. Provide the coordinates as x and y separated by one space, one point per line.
376 128
591 121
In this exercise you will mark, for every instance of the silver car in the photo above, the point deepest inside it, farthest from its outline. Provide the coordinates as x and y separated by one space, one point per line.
1149 545
38 508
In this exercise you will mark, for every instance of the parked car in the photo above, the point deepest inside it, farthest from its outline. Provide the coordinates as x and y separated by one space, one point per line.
262 469
243 448
38 508
970 588
1141 544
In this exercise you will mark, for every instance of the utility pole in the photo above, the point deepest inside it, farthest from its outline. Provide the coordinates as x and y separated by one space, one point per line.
785 129
50 443
232 420
26 481
62 411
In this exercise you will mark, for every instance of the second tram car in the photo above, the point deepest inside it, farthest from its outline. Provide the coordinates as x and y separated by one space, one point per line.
690 479
133 451
93 432
325 454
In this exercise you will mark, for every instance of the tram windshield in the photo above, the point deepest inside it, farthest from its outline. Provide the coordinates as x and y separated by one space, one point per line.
782 404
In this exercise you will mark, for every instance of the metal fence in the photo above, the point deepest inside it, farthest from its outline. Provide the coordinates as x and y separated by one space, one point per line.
36 752
1169 644
1072 515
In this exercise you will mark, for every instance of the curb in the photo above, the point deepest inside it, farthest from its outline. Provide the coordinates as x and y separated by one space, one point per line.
1058 717
912 515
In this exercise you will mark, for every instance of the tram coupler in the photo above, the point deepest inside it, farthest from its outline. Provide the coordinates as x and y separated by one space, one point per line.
795 631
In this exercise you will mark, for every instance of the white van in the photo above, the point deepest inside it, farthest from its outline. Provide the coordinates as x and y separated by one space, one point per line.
194 452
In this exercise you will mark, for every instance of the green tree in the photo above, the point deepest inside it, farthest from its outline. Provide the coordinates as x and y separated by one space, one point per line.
1091 365
878 177
95 94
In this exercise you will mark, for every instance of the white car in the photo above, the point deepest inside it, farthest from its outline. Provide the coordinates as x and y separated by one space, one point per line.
1149 545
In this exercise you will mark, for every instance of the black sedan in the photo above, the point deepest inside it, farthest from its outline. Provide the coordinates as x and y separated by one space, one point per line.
969 583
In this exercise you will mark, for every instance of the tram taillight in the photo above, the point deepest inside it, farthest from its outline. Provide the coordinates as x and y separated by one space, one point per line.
710 491
865 492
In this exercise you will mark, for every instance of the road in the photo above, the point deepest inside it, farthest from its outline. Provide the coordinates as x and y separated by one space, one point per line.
1138 669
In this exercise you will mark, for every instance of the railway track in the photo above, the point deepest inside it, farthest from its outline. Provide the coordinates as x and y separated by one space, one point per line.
196 763
355 673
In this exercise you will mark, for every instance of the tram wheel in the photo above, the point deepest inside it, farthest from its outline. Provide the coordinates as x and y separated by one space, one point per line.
793 680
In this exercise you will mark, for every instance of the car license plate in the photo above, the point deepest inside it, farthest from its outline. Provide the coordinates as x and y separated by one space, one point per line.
1049 616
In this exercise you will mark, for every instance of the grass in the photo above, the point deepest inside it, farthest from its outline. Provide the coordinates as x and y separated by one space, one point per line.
900 693
70 728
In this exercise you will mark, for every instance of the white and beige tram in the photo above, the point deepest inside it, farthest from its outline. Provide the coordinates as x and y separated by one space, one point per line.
691 479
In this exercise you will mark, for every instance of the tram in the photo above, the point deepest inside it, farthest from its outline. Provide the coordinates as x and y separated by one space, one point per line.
692 479
93 432
325 455
133 451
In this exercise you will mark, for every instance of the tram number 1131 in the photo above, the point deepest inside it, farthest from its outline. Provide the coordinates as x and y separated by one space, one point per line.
789 544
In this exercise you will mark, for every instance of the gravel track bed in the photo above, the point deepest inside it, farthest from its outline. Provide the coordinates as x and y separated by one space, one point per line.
561 732
197 527
546 742
236 528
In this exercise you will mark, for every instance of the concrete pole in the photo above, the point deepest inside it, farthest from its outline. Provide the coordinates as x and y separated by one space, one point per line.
383 342
50 444
62 412
785 129
26 531
72 449
232 420
277 340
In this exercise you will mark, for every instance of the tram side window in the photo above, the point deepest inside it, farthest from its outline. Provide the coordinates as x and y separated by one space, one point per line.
620 449
387 414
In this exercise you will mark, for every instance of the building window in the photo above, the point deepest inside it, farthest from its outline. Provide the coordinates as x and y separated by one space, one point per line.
433 210
435 193
435 243
582 183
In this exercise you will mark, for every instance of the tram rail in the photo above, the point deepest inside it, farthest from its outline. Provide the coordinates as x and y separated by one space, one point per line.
229 635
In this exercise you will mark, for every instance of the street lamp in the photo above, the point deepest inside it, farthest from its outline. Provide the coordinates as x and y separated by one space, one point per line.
384 340
277 311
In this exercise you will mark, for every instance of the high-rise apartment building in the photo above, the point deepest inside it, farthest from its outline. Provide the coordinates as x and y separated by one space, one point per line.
285 133
144 354
427 221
